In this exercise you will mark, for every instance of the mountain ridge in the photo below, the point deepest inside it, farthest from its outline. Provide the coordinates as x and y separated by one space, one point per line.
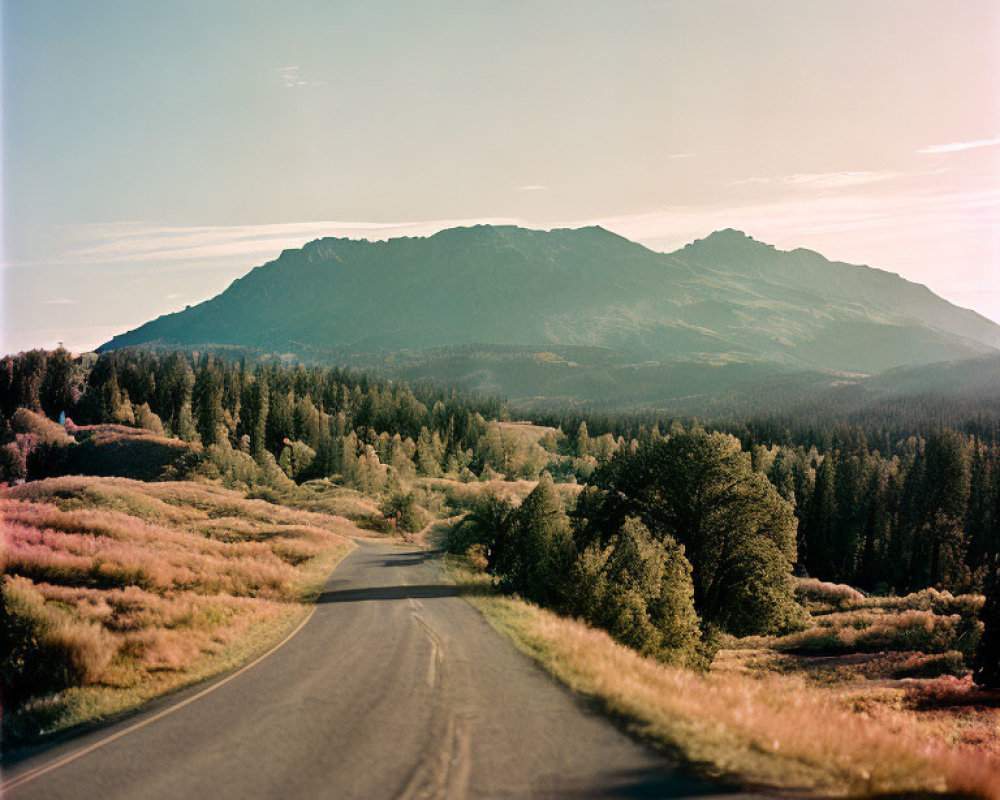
723 299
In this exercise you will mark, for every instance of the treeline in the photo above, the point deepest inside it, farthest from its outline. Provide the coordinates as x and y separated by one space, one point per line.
886 425
883 514
312 422
927 516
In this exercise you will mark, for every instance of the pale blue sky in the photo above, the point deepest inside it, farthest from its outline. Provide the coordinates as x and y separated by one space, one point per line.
154 151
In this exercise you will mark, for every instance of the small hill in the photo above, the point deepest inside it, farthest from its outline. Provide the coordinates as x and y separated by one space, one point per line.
48 448
124 452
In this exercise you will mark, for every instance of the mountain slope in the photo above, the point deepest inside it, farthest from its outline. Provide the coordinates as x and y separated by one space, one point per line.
725 299
813 275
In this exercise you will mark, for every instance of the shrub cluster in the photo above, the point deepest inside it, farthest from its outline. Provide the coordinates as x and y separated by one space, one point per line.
635 587
868 632
822 595
668 544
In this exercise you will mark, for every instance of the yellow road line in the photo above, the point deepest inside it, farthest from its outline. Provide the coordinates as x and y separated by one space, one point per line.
37 772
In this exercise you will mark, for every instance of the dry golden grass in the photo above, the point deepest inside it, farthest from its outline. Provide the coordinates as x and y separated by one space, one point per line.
137 586
821 597
755 726
528 432
464 495
326 497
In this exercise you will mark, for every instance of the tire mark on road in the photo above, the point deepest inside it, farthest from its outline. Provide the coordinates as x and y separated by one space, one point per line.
446 769
437 645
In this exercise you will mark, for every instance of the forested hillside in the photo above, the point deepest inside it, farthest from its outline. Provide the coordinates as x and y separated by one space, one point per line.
887 507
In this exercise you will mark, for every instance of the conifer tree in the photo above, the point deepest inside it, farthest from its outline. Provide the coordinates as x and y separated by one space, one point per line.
538 553
582 441
145 418
737 532
400 461
57 389
280 420
258 408
207 397
185 423
820 519
285 461
29 376
174 382
123 413
307 421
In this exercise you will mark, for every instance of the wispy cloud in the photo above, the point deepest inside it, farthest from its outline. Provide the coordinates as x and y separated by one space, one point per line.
785 221
60 301
207 245
532 187
838 180
824 180
294 77
681 155
954 147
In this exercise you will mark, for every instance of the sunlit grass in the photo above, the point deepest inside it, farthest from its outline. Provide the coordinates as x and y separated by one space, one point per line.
465 495
758 726
121 590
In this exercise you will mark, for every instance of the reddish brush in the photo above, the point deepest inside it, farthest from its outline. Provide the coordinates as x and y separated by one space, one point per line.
109 579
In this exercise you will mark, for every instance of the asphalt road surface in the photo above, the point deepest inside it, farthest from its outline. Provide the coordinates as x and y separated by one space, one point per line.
394 688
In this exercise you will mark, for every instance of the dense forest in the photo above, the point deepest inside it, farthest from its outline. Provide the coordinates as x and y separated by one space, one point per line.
886 509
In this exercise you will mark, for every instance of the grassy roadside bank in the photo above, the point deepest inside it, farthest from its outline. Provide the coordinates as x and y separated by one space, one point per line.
756 730
116 592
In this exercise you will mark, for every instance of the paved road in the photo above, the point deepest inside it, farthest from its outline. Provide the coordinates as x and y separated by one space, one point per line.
395 688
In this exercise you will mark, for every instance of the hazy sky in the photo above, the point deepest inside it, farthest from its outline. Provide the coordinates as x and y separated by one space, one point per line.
154 151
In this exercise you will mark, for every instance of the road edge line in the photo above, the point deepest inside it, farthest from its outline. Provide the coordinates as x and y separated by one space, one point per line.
29 776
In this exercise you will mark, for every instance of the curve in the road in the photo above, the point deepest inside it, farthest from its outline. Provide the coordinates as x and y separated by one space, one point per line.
396 688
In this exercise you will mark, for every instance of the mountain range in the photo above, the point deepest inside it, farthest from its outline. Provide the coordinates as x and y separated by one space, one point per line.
581 314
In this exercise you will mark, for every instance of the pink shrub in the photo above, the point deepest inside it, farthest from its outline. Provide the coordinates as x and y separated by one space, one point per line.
47 432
